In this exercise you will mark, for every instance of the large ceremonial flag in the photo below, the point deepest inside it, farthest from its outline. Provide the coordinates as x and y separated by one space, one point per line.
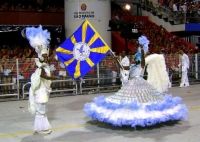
82 50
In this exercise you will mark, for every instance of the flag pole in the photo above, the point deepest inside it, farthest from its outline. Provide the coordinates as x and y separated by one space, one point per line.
112 53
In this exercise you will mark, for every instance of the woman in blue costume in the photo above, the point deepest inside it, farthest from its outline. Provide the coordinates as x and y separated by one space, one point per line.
140 102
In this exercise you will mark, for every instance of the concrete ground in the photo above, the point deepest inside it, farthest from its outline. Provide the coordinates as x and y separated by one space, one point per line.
71 125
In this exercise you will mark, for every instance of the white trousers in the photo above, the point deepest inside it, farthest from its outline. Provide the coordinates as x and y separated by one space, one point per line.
114 75
124 76
184 79
41 122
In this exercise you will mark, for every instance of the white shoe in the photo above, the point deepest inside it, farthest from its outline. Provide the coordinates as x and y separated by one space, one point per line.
47 131
35 133
43 132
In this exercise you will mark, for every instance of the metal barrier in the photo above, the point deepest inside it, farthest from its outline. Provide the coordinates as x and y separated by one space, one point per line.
9 89
175 17
99 87
102 78
68 86
8 78
77 87
23 90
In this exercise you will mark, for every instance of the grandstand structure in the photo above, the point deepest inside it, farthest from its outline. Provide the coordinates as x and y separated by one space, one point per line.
167 32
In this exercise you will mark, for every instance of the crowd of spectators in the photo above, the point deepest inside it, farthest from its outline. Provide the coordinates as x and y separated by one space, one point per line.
163 41
160 39
15 51
25 56
32 5
188 8
190 4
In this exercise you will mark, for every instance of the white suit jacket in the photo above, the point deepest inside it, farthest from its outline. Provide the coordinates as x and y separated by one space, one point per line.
185 62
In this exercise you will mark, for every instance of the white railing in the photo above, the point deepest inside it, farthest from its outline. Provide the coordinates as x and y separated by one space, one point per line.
101 79
25 91
5 88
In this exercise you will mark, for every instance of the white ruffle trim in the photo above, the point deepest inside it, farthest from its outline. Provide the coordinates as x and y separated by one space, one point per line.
127 114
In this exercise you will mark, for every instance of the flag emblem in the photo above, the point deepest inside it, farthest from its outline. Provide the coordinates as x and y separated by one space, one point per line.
82 50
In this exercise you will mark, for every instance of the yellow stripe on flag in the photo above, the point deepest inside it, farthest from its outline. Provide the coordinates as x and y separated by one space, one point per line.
62 50
89 61
77 70
73 39
93 39
90 25
69 61
84 28
102 49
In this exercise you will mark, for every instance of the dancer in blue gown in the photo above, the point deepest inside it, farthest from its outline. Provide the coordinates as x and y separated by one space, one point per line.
140 102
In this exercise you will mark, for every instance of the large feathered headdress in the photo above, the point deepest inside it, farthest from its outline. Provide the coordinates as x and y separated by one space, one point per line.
39 39
144 42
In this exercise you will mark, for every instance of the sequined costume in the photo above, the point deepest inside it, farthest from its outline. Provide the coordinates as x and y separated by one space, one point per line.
137 103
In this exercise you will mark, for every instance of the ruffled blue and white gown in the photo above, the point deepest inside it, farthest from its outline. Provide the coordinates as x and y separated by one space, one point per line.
136 104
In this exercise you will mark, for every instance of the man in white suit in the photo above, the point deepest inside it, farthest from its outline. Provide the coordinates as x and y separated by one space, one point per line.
185 64
125 62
